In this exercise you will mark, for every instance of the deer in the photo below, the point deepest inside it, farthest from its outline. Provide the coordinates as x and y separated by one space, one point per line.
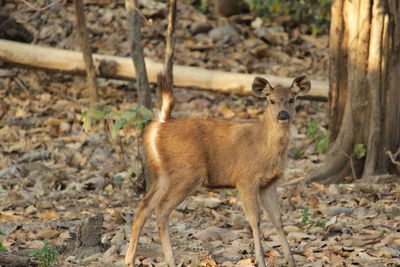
186 153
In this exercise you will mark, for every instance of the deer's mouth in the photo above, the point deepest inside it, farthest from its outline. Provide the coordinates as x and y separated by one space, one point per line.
283 121
283 116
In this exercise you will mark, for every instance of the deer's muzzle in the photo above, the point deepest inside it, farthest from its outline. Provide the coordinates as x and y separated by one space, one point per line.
283 115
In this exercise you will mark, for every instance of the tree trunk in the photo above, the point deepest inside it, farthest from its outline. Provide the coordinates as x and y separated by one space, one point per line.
142 81
135 38
169 49
364 92
86 50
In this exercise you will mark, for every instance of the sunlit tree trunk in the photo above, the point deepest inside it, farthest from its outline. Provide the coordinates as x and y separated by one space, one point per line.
364 88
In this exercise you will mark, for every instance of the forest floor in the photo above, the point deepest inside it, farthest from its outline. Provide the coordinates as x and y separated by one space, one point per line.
53 175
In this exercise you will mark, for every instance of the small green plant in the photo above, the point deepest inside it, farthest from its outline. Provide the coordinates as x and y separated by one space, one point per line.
136 117
203 6
307 220
321 223
320 138
300 153
229 192
315 13
359 151
312 129
46 256
2 248
306 216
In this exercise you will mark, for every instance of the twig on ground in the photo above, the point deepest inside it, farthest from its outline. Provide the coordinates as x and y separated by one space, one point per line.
40 8
33 156
5 73
22 85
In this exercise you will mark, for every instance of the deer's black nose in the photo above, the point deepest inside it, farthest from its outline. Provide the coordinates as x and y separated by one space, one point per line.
283 115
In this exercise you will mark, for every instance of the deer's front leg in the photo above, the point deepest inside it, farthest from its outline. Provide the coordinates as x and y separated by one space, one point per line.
249 197
270 203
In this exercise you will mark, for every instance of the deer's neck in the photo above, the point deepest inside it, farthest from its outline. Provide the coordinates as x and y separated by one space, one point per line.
275 135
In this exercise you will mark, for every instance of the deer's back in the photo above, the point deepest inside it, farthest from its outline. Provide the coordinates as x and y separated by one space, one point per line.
217 151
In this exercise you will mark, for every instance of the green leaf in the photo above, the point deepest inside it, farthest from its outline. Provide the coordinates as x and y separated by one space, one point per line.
114 115
360 151
95 113
2 248
87 122
322 143
129 115
321 223
203 6
312 129
306 216
229 192
108 108
146 113
117 126
118 178
299 153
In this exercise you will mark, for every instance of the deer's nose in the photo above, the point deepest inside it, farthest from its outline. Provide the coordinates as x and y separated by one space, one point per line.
283 115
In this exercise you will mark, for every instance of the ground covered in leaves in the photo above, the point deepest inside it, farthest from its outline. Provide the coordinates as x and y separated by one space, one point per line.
53 176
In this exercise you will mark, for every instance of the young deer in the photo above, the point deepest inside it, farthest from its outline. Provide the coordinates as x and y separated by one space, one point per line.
186 153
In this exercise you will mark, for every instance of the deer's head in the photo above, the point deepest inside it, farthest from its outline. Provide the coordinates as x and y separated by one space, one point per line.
281 100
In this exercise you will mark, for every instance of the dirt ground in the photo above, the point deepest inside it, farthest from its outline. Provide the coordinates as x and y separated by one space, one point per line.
53 175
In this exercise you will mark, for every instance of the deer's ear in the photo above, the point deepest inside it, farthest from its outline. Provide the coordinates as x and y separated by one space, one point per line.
261 87
301 85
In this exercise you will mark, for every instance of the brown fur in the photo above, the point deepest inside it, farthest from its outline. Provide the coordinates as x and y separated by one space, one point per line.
225 164
189 152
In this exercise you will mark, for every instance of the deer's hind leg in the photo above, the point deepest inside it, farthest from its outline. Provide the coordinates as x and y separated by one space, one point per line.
143 212
178 188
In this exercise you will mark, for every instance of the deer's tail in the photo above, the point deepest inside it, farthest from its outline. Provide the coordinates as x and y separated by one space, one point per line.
167 96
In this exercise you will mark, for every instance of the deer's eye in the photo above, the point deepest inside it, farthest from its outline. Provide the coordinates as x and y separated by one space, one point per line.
272 101
291 101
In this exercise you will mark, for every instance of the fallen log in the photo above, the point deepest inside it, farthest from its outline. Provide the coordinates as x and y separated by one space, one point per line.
116 67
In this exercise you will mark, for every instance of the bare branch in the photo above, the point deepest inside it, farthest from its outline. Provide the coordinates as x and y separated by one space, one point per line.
393 157
351 164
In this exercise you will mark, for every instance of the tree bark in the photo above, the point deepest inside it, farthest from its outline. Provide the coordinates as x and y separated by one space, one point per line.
337 78
364 72
169 49
86 50
135 38
142 81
